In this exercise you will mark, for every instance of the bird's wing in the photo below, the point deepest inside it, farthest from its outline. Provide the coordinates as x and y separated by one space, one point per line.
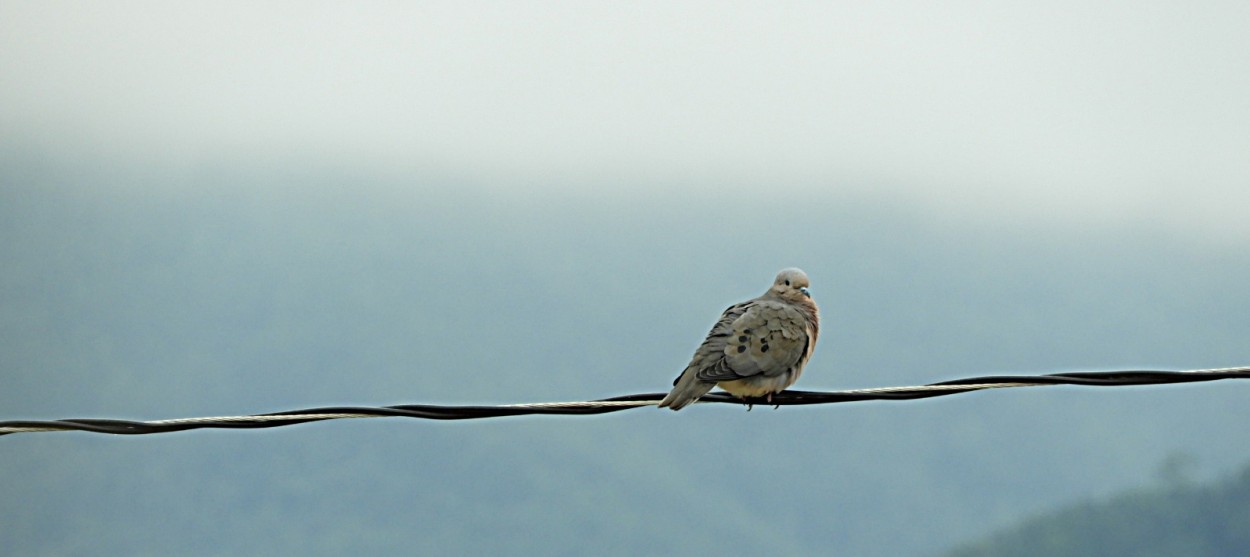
767 337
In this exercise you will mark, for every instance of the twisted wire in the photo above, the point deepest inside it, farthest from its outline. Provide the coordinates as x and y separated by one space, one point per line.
620 403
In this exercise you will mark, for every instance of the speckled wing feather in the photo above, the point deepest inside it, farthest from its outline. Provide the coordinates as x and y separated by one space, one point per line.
770 338
688 386
710 354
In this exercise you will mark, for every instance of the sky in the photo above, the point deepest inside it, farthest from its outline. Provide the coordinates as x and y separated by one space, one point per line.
1064 113
975 188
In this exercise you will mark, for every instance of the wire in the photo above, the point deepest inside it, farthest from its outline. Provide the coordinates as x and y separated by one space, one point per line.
617 404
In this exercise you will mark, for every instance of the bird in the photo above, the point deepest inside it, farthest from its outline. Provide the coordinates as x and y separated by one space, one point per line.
757 348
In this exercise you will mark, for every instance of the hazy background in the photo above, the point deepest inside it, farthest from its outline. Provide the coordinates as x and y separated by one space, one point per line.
234 208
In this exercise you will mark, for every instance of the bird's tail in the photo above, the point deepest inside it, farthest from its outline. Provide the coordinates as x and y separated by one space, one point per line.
687 390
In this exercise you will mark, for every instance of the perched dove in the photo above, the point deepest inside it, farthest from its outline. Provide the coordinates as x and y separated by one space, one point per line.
757 348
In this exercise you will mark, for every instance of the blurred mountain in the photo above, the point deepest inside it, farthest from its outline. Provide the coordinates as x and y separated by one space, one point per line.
142 293
1177 518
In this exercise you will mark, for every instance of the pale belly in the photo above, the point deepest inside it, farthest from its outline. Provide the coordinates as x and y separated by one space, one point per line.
758 385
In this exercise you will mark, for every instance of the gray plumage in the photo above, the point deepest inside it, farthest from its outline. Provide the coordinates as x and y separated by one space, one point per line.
757 348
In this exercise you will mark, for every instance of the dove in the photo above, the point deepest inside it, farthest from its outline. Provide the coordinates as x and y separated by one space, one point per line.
757 348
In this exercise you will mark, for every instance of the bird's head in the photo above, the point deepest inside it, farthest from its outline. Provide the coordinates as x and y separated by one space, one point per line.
791 284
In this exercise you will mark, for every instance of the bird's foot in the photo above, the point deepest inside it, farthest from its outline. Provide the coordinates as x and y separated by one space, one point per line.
769 398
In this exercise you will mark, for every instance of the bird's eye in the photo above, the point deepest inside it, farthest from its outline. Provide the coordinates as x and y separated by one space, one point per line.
787 283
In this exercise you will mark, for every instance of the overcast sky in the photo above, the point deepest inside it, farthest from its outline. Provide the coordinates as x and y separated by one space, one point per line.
1106 110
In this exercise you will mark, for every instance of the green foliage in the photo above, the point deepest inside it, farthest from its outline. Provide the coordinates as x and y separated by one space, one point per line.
1172 520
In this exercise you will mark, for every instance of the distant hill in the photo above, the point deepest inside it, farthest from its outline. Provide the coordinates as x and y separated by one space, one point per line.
142 293
1211 520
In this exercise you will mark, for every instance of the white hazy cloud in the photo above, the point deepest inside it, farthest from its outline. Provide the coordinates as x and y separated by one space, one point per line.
1110 110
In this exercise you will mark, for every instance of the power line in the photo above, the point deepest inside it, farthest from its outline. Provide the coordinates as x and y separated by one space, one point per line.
619 403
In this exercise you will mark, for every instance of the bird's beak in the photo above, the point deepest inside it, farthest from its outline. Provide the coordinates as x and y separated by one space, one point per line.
805 292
